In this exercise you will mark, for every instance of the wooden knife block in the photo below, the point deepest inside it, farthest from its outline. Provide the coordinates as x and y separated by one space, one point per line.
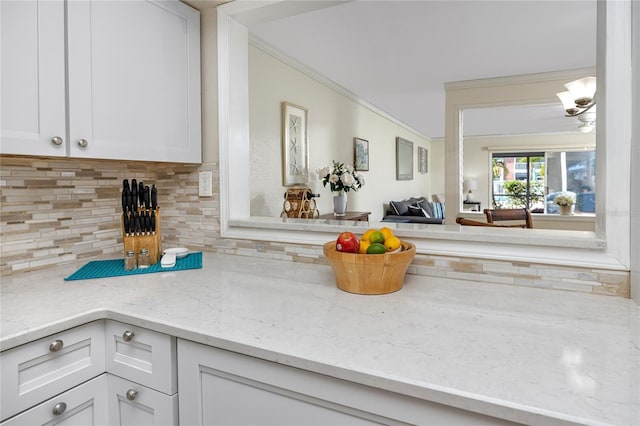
151 242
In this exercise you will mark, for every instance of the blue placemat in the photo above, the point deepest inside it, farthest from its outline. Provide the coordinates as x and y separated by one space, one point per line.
115 267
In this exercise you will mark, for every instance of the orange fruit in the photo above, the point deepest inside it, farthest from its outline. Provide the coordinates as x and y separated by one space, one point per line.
387 232
364 245
367 234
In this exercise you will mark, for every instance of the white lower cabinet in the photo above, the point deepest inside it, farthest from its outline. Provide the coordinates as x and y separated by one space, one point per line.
133 404
219 387
38 370
84 405
64 379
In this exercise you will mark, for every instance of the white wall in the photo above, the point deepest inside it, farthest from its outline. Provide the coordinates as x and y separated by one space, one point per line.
333 121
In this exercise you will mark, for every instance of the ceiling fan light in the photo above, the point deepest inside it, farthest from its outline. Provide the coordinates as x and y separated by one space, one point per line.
568 102
582 90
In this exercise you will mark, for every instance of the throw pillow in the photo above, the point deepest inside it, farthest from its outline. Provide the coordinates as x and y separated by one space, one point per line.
417 211
400 208
424 204
438 210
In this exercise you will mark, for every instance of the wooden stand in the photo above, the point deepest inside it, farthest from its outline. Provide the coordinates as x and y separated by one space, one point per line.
299 204
151 242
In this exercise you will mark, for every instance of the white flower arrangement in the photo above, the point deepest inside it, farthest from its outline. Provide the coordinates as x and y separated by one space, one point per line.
565 199
341 177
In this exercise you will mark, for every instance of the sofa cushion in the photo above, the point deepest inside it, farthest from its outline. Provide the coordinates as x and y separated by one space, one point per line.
400 208
425 205
417 211
438 210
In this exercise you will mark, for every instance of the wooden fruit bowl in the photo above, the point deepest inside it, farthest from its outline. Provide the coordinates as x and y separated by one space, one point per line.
370 273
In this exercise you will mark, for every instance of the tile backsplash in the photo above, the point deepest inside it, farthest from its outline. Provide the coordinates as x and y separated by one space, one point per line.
63 210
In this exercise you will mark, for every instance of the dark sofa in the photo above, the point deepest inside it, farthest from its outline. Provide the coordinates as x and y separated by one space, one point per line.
414 210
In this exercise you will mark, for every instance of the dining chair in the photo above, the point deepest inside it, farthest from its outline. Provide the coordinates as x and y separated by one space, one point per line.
510 215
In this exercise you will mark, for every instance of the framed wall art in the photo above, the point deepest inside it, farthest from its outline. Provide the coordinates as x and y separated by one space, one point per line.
404 159
423 160
295 145
361 154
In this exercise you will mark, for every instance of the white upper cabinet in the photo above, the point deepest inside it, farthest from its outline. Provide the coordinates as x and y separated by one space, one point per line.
133 81
33 92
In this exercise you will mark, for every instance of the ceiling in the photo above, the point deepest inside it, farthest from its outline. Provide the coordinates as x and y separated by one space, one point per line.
397 55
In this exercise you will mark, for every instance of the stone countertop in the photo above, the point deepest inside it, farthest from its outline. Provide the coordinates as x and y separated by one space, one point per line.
528 355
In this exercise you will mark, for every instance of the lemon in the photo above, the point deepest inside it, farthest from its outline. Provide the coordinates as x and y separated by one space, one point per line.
387 232
367 234
392 243
364 245
376 237
376 248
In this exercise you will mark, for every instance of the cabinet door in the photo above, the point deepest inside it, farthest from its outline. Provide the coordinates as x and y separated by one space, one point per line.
134 80
33 90
144 356
40 369
222 388
131 404
219 387
84 405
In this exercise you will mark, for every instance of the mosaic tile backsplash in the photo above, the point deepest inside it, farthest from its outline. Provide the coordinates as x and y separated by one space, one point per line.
63 210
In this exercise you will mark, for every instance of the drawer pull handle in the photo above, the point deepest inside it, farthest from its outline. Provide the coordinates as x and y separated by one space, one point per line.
127 336
131 394
82 143
59 408
56 140
56 345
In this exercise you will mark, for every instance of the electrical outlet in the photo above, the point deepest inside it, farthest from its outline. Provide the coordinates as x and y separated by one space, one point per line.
205 184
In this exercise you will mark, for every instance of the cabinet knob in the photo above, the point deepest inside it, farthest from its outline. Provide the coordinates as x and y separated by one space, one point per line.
131 394
82 143
59 408
56 140
56 345
127 336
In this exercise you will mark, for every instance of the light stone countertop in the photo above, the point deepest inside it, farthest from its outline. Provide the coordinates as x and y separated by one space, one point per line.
528 355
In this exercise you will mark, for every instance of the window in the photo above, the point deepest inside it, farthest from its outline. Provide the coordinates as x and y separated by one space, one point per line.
533 179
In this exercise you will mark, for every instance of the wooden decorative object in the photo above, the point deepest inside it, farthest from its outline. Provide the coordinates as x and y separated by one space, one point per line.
370 273
151 242
299 203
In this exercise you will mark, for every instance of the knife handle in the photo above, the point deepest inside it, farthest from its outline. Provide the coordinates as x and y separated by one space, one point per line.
147 197
138 227
154 197
130 202
125 185
125 200
125 219
134 192
147 223
141 193
152 220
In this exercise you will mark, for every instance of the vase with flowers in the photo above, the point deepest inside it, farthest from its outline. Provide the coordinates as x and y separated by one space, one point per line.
565 201
341 179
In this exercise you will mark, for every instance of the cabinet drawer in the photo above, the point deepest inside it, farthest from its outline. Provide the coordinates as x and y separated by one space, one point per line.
85 404
133 404
36 371
143 356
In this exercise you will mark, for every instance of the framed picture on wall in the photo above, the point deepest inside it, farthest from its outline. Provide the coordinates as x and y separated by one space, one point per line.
295 145
404 159
360 154
423 159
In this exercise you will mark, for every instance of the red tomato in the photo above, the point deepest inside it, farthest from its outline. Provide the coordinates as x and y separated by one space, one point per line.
348 242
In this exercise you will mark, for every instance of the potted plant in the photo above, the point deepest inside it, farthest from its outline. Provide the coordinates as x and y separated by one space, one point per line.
566 201
341 179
